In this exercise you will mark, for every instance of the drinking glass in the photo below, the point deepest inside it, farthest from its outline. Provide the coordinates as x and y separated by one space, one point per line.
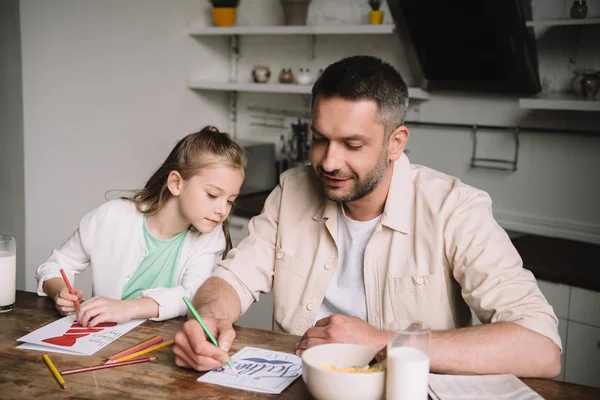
407 369
8 272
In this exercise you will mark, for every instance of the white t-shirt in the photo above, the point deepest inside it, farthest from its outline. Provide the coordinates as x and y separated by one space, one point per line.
346 292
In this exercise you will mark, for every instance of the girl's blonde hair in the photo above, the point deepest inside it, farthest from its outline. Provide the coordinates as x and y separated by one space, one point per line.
191 154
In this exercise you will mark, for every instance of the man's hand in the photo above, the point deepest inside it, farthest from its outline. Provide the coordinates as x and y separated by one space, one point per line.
65 301
102 309
193 349
341 329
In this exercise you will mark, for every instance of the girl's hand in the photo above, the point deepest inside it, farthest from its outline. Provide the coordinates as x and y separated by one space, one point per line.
65 301
102 309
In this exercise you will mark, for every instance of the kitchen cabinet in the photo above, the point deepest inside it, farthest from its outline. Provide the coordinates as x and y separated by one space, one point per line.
557 294
562 331
260 314
585 306
238 229
583 356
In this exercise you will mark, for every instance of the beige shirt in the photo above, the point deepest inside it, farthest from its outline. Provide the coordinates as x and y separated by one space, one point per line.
436 252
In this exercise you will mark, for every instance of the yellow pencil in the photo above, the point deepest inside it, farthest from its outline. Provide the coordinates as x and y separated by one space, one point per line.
54 371
145 351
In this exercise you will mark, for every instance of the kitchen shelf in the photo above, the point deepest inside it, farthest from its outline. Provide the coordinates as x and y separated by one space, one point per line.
293 30
291 88
559 101
563 22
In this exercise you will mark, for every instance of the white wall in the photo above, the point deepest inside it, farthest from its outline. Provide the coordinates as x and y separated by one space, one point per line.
104 102
12 193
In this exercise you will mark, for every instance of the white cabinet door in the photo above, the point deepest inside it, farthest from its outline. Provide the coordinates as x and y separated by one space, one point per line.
583 355
585 306
476 320
238 229
562 331
259 315
557 294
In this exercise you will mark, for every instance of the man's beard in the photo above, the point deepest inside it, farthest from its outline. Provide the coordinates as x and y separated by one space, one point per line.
362 187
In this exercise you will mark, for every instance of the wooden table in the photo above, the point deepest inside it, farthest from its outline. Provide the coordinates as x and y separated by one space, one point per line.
23 374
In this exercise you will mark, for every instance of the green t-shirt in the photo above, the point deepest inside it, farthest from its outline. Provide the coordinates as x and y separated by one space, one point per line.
157 269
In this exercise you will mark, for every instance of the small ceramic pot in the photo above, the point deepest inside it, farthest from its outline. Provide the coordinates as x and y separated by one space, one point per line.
579 9
261 74
586 84
286 76
303 77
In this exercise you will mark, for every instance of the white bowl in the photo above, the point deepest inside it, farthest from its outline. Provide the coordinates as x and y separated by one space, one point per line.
325 384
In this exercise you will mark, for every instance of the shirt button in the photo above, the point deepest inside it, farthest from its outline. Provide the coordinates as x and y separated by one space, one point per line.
310 306
328 266
280 255
419 280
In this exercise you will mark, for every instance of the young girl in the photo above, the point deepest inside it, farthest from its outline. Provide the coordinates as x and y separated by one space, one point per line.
150 250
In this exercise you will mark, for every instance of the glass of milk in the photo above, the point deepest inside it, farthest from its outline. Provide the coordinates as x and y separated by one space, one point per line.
8 272
407 369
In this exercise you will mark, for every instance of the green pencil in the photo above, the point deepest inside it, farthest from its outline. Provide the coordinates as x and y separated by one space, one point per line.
206 330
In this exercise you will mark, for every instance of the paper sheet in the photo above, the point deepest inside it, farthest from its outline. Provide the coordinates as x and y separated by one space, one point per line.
67 336
489 387
259 370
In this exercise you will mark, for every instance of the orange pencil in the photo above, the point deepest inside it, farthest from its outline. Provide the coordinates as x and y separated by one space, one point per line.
145 351
62 272
54 371
133 349
113 365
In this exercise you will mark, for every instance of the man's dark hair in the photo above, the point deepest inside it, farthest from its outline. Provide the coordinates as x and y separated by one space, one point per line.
366 78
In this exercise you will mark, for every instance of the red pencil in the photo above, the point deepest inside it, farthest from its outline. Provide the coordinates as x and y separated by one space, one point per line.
103 366
133 349
69 285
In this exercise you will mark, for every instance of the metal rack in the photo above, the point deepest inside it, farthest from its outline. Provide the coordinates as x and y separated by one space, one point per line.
501 164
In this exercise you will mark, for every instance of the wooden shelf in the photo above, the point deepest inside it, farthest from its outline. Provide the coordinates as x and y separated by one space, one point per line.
563 22
293 30
559 101
292 88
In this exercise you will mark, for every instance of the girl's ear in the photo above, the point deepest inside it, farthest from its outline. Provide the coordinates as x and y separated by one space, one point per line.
174 183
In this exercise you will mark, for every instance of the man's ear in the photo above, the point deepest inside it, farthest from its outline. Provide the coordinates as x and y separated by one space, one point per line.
397 142
174 183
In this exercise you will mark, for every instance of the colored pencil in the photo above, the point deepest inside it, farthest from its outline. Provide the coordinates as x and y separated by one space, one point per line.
133 349
206 330
62 272
54 371
145 351
103 366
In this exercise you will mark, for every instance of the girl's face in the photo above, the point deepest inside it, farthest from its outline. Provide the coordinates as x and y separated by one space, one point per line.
205 199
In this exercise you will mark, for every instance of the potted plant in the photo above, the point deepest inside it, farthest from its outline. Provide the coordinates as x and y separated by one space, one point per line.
375 15
224 12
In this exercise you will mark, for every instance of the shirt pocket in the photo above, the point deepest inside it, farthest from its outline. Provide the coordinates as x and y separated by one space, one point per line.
289 276
419 297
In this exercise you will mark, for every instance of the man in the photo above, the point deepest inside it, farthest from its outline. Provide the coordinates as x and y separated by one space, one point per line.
363 238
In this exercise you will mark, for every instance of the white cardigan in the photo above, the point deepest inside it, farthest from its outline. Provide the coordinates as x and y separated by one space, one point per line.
110 238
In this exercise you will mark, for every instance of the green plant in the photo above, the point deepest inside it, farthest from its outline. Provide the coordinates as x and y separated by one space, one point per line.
375 4
224 3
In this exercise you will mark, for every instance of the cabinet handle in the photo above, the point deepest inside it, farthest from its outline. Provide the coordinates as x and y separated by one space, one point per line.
236 226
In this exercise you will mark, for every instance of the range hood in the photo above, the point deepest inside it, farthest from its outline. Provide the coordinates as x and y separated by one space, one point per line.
479 45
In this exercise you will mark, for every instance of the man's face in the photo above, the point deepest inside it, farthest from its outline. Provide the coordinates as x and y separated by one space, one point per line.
349 147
